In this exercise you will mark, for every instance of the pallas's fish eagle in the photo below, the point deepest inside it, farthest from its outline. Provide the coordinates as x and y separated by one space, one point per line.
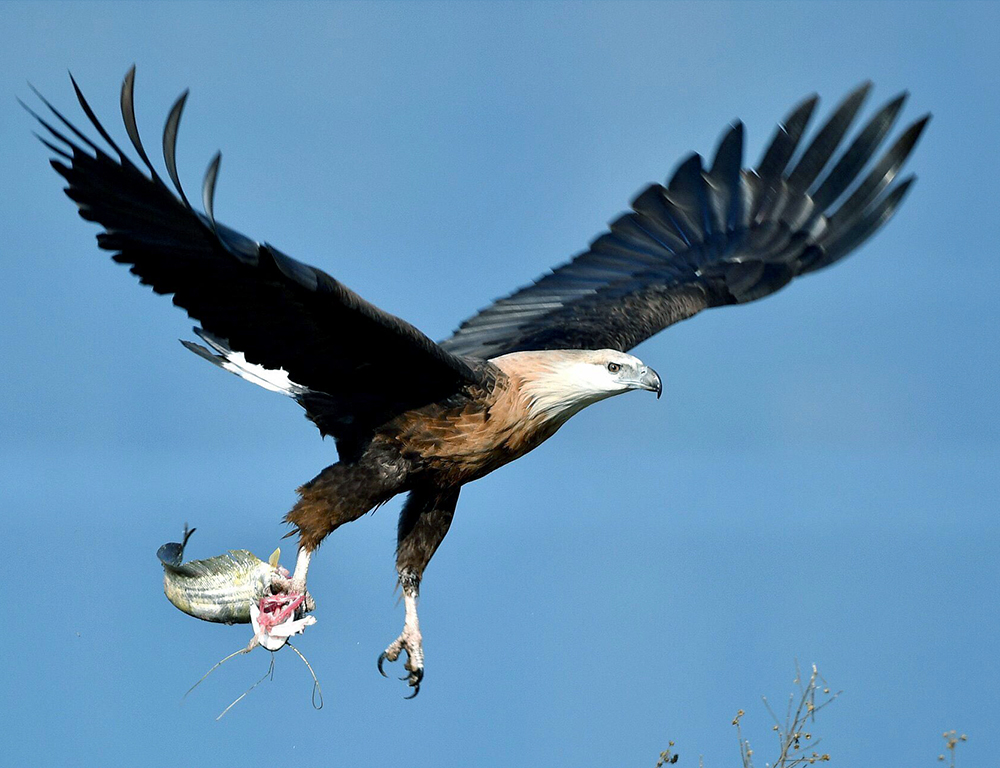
510 376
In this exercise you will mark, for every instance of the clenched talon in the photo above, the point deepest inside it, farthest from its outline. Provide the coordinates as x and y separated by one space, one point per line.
411 642
309 604
414 679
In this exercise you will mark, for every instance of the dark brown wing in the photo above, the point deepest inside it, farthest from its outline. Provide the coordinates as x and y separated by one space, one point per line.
345 358
711 237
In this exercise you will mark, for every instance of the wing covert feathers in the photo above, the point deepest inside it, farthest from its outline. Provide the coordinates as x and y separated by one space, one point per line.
277 314
712 236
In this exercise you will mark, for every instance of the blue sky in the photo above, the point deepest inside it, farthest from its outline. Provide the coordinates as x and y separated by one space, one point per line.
818 482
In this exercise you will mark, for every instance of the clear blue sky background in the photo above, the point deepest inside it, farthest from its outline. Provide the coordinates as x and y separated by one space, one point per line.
818 482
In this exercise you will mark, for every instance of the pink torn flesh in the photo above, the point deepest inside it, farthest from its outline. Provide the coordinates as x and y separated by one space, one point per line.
277 609
274 619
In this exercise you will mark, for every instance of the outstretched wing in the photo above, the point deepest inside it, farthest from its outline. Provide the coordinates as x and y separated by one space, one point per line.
711 237
287 323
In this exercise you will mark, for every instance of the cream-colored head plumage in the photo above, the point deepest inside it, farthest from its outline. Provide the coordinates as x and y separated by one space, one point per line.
556 384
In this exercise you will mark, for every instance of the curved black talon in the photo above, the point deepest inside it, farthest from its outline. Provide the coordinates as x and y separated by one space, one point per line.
416 677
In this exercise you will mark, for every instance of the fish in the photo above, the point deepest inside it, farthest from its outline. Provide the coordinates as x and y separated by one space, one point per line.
239 588
221 589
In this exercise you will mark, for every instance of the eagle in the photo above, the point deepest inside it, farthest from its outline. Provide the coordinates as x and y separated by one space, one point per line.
715 234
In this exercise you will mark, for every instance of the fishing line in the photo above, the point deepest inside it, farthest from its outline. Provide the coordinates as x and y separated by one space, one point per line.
269 673
217 665
316 686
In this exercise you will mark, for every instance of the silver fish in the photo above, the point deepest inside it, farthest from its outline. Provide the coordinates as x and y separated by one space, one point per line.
219 589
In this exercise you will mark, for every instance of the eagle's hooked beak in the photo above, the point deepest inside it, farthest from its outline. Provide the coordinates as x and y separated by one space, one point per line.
650 380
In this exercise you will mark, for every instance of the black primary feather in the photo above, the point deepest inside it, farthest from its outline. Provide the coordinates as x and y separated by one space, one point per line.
208 191
128 117
710 237
170 144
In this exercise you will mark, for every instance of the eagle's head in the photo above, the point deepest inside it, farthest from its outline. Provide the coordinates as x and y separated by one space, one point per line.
556 384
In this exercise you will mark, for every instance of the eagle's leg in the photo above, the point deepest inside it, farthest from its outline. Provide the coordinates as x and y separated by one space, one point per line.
337 495
423 523
301 570
296 583
410 640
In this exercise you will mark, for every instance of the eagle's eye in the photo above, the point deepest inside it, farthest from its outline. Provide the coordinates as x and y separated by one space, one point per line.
614 367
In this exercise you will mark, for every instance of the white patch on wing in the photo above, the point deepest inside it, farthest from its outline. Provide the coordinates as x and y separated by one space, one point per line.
274 380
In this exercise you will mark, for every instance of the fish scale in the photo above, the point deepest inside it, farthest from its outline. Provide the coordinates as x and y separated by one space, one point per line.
220 589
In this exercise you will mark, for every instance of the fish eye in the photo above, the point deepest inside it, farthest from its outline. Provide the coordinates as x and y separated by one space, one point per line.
614 367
